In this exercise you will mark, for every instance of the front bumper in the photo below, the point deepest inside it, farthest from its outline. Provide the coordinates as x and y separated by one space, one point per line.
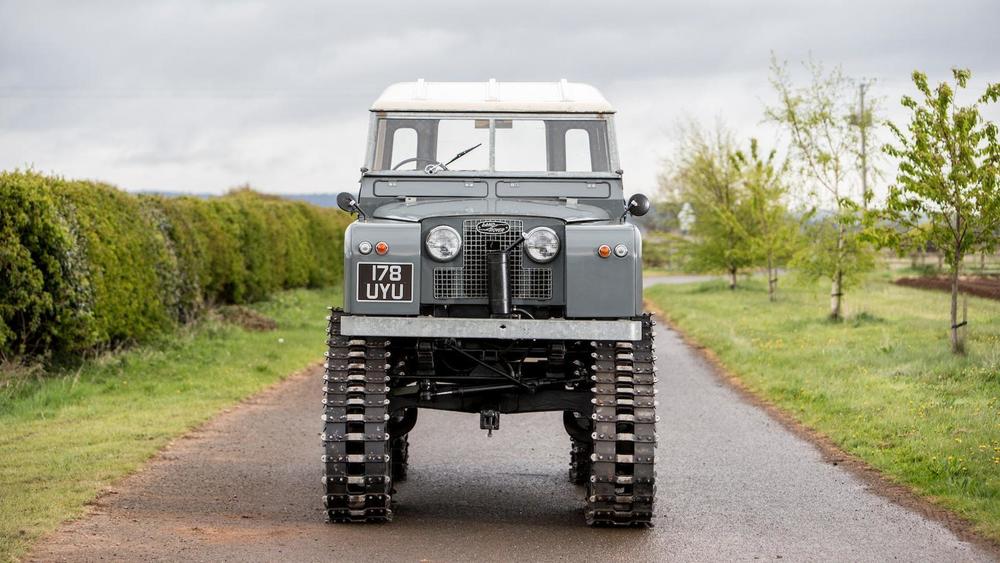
501 329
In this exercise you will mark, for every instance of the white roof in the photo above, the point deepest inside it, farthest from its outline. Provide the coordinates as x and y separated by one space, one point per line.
493 96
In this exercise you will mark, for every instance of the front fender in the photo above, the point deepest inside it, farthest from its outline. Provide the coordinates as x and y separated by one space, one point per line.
603 287
404 248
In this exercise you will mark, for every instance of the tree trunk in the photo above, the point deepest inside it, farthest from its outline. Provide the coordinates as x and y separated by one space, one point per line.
837 287
732 278
772 279
836 293
957 346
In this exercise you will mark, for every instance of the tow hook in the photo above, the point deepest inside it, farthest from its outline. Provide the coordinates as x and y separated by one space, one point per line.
489 420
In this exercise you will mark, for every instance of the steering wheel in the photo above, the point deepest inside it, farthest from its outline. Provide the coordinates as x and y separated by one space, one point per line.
432 165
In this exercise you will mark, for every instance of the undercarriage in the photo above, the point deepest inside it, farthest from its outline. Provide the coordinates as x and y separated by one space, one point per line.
375 386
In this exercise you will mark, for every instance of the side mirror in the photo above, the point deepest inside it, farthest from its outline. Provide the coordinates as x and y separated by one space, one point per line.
638 205
346 201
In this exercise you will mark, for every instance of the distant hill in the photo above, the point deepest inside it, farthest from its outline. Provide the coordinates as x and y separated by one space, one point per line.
322 200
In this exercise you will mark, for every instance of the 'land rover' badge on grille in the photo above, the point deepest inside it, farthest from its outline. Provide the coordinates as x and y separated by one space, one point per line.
492 228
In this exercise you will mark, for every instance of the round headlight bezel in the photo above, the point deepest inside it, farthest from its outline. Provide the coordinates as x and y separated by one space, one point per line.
434 251
528 247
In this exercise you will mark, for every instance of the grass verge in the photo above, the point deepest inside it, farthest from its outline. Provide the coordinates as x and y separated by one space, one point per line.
65 437
882 385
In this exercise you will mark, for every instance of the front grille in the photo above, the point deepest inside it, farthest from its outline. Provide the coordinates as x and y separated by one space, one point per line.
468 281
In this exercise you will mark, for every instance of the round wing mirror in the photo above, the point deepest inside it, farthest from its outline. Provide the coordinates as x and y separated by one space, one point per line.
346 201
638 205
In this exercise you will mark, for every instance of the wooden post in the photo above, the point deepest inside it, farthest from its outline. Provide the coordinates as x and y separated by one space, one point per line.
965 321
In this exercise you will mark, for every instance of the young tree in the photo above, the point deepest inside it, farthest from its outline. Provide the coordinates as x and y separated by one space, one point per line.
770 229
824 144
946 191
709 181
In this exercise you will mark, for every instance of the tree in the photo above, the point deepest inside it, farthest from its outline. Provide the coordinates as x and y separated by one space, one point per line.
770 229
709 181
946 191
824 144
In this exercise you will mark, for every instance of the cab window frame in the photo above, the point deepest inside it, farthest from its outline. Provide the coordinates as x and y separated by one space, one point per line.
599 127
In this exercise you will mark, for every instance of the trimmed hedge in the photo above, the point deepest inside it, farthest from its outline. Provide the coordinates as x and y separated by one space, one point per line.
85 266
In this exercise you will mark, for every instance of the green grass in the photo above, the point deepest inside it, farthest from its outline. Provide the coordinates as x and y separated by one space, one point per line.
882 385
67 436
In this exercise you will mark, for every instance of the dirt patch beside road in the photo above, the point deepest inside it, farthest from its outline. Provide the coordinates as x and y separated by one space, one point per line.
988 287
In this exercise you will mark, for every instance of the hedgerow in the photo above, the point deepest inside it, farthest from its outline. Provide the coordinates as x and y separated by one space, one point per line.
85 266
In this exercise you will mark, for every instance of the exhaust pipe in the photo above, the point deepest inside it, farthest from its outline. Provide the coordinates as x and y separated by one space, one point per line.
498 268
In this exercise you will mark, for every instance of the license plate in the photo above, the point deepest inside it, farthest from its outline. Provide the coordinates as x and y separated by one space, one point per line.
385 283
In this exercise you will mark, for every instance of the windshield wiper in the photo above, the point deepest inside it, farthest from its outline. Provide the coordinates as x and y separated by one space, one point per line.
461 154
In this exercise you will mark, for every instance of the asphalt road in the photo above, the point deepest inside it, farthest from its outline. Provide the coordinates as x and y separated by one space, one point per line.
733 484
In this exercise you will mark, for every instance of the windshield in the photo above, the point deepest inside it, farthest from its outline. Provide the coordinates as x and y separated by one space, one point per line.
529 144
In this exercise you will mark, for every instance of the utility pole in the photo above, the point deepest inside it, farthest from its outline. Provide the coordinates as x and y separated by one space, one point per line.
863 123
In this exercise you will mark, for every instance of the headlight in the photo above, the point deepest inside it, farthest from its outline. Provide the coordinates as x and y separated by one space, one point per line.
443 243
541 244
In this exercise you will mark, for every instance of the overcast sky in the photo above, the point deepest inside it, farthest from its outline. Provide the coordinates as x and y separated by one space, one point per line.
200 96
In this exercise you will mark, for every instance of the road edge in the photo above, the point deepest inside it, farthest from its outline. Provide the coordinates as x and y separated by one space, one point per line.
876 481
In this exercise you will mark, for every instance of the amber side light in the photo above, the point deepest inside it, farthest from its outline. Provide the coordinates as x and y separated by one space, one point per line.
381 248
604 251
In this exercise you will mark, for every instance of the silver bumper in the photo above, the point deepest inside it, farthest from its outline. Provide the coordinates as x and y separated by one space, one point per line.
502 329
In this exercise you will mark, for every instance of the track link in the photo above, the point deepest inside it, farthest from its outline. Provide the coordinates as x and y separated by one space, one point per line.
357 466
400 457
579 461
622 479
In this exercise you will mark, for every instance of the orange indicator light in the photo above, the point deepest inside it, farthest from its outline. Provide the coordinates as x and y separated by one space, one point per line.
604 251
381 248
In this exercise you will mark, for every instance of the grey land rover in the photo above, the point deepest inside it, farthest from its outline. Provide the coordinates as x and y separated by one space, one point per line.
492 270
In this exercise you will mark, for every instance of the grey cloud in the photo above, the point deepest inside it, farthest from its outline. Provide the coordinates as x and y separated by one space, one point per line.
212 93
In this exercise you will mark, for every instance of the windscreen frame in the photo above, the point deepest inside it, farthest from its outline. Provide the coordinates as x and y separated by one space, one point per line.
375 155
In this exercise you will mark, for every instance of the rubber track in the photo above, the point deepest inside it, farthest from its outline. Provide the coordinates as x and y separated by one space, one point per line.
622 475
357 470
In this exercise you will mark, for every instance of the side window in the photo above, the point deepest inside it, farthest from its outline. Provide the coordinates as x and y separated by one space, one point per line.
578 151
404 145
